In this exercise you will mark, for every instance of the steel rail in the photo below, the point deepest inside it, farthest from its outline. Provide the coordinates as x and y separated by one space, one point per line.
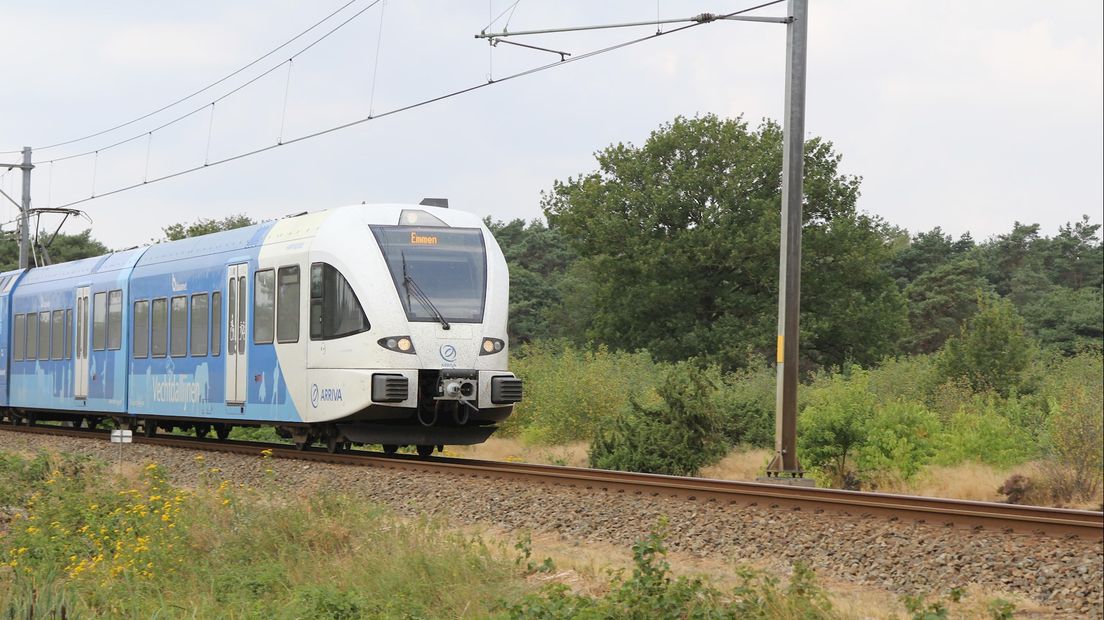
982 516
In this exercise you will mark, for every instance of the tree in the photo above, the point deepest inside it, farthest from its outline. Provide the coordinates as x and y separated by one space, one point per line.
206 226
926 252
63 248
940 301
992 352
538 257
679 239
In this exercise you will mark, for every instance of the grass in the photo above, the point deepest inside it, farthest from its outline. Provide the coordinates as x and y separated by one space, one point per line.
76 538
139 548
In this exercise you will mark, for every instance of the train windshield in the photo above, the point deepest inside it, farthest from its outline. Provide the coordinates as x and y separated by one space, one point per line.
439 273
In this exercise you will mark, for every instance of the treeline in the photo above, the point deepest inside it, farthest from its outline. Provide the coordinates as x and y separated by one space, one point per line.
672 248
64 247
645 310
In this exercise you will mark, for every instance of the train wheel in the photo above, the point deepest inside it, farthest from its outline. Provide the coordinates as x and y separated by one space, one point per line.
222 431
149 428
425 451
332 444
302 445
201 430
390 449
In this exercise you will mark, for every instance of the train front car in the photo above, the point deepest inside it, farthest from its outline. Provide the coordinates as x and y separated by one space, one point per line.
407 344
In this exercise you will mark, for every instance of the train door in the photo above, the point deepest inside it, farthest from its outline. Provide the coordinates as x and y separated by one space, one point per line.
236 362
80 355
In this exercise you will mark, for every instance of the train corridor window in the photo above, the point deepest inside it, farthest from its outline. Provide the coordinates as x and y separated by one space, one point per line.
264 307
199 325
99 321
216 323
57 325
19 337
32 336
141 329
159 318
115 320
287 304
335 311
43 335
178 329
68 333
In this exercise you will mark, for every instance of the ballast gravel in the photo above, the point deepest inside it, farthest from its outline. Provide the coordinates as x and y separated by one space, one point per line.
1063 574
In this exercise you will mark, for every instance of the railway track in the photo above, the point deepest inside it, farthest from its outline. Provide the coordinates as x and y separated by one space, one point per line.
989 516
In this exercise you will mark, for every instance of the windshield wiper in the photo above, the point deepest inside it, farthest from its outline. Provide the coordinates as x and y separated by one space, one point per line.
419 294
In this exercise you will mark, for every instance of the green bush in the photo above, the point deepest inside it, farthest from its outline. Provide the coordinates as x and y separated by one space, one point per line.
993 350
745 403
833 425
978 432
677 436
1075 439
909 378
569 392
900 439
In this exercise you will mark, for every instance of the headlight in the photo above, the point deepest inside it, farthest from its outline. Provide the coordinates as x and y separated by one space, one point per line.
398 344
491 346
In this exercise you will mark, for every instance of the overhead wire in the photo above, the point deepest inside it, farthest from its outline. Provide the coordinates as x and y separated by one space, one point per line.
217 99
200 91
421 103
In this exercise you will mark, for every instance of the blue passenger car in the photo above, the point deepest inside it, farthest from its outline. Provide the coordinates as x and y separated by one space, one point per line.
365 324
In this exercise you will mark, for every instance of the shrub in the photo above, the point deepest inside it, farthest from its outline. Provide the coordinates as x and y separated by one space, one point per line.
832 427
745 403
993 350
1075 433
570 393
900 439
908 378
977 432
678 436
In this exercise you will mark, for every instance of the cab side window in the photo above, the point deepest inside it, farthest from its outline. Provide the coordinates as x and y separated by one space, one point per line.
335 311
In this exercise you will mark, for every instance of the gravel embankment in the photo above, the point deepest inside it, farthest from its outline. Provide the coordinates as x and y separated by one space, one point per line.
1065 575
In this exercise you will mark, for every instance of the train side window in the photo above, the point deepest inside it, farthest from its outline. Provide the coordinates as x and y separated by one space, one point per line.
99 321
287 304
19 337
43 335
264 306
178 328
198 346
115 320
141 329
32 336
159 318
57 327
335 311
216 323
68 333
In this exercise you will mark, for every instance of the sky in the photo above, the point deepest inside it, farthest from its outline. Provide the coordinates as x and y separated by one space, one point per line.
967 115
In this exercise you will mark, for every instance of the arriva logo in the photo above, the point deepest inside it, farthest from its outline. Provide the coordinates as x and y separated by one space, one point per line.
324 395
448 353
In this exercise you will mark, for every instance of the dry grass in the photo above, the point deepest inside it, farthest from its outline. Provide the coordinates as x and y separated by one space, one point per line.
585 568
515 451
973 481
740 464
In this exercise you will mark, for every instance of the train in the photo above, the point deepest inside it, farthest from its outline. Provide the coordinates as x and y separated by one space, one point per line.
365 324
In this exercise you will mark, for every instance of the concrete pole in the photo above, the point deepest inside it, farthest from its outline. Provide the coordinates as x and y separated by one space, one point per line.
25 212
789 268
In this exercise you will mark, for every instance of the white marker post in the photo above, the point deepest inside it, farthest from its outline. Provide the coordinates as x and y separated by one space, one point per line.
121 436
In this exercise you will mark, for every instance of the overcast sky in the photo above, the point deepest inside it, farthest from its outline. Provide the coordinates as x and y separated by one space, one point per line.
963 114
